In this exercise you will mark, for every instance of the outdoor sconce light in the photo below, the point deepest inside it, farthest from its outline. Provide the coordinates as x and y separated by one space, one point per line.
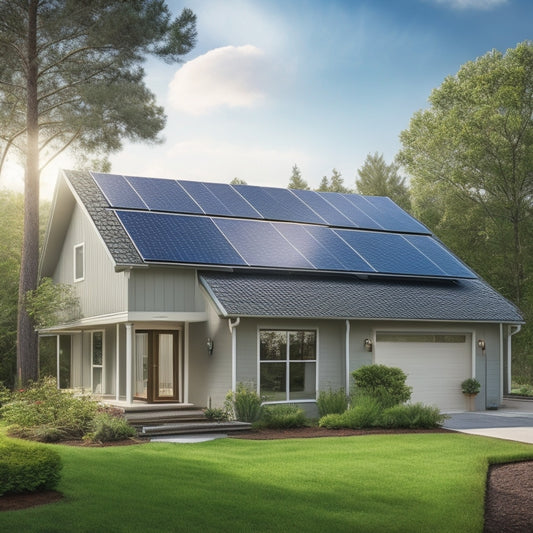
210 345
368 345
481 344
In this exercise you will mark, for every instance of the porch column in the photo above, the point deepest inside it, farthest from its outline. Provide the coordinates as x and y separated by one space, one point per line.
232 326
186 362
129 364
117 363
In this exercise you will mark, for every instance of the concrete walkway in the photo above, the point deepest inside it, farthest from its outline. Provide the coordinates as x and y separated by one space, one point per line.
513 421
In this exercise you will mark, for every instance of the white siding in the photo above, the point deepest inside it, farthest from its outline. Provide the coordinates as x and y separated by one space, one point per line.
103 290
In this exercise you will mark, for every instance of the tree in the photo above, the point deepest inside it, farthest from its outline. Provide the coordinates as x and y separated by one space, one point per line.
376 178
296 181
333 184
71 78
237 181
470 155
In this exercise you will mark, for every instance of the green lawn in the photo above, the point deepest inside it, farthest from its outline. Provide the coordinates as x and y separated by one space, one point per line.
404 483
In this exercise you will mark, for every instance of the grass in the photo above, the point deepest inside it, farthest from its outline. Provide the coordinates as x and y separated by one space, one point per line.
417 482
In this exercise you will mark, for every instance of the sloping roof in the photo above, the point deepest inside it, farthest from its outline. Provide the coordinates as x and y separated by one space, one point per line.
343 297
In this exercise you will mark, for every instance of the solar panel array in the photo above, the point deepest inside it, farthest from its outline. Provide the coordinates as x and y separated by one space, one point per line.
173 221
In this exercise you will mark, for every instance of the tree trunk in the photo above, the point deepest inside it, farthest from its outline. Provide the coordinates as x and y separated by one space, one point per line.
27 341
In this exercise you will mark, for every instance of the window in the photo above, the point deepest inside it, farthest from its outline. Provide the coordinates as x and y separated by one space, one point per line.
97 361
287 365
79 262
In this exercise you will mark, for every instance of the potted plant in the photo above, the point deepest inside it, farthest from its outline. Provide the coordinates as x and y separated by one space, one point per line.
471 388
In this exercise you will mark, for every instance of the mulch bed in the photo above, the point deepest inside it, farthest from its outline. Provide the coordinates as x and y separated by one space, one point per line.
508 498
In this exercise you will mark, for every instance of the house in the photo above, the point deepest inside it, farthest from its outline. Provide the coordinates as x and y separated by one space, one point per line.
189 288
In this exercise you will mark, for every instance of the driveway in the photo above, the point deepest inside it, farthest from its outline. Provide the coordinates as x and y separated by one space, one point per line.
512 421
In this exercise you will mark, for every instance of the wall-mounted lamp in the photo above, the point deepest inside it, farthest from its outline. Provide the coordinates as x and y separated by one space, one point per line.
481 344
210 345
368 345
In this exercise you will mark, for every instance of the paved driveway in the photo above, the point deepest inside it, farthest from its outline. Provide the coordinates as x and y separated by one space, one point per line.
501 424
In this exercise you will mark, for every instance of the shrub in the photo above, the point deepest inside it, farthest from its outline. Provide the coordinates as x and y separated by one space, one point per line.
471 386
245 403
5 394
216 414
107 427
27 467
330 402
385 384
365 413
282 416
412 416
43 412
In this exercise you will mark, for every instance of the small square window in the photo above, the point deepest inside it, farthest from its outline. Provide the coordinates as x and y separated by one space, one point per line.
79 262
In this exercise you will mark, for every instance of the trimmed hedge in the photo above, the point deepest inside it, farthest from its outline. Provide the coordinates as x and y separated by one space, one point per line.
28 468
282 416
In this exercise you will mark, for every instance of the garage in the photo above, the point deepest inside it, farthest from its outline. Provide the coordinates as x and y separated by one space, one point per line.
435 364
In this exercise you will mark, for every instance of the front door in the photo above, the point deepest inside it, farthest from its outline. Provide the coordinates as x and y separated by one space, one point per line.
157 365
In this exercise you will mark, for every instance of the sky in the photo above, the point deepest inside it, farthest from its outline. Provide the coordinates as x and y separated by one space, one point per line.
314 83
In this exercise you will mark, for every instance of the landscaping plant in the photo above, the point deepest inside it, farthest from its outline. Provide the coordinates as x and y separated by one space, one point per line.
332 401
282 416
385 384
245 404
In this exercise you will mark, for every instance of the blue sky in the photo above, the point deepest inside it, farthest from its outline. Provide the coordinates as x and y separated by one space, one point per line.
320 84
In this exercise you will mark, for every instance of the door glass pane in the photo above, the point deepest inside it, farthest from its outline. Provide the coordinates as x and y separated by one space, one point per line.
97 348
166 365
64 361
141 365
273 381
97 380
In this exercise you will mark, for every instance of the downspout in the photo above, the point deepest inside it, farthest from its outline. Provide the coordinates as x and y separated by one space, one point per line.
347 358
233 331
509 351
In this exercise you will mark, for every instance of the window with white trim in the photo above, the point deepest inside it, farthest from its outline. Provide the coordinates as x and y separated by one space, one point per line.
79 262
287 364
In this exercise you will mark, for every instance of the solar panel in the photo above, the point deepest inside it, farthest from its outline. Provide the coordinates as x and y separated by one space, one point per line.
164 195
323 208
393 217
260 244
178 238
390 253
209 203
233 201
118 191
440 255
351 211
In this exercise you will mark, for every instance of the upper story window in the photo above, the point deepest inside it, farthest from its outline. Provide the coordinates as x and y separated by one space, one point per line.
287 362
79 262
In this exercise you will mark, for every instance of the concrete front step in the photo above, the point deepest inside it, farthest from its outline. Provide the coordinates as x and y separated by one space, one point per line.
184 428
141 418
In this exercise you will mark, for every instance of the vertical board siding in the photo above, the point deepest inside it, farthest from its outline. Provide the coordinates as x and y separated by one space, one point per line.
103 290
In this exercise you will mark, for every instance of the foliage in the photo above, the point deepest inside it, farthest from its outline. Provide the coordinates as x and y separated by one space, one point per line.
333 184
365 413
26 467
43 412
109 427
376 178
385 384
296 181
245 404
51 304
216 414
282 416
471 386
412 416
332 401
238 181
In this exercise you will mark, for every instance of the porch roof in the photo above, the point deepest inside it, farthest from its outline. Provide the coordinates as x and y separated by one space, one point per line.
349 297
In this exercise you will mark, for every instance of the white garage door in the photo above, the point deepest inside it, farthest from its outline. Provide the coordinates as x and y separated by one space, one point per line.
435 364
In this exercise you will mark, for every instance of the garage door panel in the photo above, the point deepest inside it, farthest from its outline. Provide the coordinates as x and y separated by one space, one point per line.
434 370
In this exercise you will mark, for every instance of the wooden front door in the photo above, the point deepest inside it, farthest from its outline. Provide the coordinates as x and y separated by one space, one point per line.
157 365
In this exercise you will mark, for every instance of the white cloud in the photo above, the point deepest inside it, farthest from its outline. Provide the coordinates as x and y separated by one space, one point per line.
472 4
231 76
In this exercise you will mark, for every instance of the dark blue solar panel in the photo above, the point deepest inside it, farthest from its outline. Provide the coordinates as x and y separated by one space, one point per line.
440 255
393 217
232 200
352 261
260 244
317 254
118 191
351 211
209 203
278 204
164 195
390 253
178 238
324 209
